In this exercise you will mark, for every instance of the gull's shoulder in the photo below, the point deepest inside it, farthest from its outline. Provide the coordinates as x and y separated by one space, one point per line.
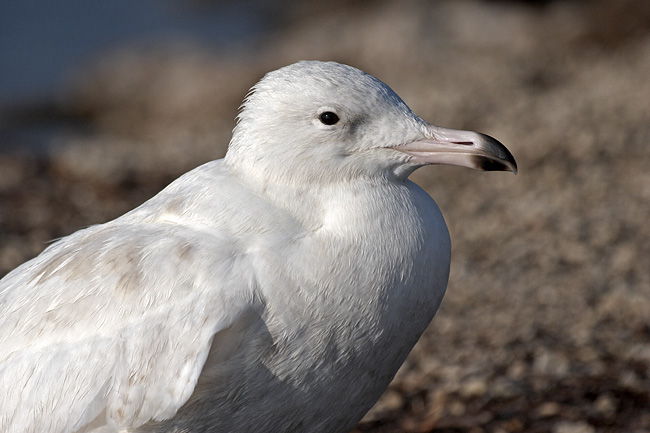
212 198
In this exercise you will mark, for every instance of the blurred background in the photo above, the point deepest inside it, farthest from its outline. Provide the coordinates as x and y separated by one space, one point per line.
546 323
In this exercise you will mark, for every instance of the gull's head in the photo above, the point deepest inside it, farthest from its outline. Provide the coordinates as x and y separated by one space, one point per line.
323 121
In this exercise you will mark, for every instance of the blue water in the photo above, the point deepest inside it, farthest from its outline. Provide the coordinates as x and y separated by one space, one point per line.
41 41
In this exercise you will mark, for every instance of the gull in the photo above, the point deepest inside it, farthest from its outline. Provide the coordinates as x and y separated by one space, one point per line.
278 289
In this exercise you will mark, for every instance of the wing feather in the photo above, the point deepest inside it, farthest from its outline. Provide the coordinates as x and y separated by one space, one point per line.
110 327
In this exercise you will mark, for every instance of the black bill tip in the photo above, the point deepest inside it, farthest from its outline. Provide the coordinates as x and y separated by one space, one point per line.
497 157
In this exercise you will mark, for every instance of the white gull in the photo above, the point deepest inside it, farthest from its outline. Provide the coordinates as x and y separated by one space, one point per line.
276 290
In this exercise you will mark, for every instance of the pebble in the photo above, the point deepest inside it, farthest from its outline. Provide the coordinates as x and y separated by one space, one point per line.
606 404
506 388
573 427
475 387
550 363
548 409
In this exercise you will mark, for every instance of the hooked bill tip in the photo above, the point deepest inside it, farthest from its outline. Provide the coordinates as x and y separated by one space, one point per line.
504 160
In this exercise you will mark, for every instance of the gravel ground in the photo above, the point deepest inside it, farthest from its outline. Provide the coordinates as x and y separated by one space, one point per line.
546 323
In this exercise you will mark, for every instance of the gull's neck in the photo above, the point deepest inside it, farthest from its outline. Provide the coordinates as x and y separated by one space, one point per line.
309 201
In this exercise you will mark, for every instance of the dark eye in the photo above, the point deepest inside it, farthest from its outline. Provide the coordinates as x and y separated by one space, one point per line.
329 118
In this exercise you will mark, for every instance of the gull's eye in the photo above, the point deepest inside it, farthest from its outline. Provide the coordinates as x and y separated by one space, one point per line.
328 118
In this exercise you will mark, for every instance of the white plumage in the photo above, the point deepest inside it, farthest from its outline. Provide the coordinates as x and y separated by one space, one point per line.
278 289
